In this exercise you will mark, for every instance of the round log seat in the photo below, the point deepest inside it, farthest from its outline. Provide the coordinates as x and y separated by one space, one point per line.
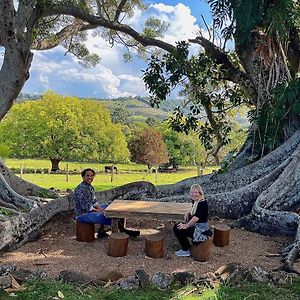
154 246
85 232
117 244
201 252
221 235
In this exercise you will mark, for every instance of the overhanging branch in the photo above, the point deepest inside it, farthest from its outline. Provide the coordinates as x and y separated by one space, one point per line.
99 21
233 73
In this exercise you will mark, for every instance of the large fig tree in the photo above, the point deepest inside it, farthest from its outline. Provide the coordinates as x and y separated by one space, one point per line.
261 190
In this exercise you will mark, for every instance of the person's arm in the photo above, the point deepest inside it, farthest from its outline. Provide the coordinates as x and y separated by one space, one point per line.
186 217
96 207
82 200
190 223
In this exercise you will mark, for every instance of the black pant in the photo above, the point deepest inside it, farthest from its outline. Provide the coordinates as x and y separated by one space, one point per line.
182 236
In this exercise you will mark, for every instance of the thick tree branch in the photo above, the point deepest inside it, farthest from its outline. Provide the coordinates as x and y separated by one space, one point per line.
61 36
119 10
99 21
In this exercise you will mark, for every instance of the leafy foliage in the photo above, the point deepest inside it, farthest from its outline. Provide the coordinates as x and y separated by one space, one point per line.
148 148
209 96
155 27
242 17
57 127
182 149
272 117
4 151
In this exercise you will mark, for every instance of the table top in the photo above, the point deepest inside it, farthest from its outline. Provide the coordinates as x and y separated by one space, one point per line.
147 210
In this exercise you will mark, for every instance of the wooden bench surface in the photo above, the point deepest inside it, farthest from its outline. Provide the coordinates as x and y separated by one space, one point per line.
147 210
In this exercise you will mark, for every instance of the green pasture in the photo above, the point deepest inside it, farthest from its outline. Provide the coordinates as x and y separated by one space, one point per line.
46 164
126 173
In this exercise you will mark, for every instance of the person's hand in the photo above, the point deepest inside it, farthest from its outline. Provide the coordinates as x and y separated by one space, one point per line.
182 226
98 209
186 217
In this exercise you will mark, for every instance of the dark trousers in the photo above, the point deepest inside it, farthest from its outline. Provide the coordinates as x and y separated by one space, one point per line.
182 236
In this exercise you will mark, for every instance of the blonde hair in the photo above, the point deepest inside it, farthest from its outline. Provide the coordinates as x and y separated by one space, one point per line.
197 187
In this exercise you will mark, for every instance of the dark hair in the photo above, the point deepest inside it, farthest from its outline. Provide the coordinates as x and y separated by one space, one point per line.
86 170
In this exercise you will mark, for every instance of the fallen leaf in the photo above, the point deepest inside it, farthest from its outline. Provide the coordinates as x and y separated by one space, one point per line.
60 295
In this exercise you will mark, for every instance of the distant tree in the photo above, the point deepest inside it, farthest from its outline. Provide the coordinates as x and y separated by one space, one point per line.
180 150
152 122
120 114
58 128
4 151
148 148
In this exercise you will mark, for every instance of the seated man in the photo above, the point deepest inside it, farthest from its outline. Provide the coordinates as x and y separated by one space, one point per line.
88 209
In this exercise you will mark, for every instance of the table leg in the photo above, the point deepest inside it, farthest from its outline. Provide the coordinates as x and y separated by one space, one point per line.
114 225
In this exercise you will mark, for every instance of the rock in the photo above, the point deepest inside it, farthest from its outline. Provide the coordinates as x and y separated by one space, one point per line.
143 278
69 276
258 274
231 272
39 273
235 272
109 275
128 283
5 282
7 269
162 280
184 278
281 277
23 275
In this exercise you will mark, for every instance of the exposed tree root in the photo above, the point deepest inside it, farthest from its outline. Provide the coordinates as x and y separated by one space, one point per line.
261 196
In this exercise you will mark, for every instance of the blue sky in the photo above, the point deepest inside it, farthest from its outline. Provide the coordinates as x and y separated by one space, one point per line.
112 77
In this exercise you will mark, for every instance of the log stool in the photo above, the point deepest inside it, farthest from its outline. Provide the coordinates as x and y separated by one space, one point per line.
117 244
201 252
154 246
85 232
221 235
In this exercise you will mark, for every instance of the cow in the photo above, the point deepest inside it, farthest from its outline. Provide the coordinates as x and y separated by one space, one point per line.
107 169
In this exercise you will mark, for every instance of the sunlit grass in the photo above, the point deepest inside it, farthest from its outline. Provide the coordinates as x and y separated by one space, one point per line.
51 289
126 174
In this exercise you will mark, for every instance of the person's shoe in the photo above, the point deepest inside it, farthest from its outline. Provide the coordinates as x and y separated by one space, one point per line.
132 233
102 235
183 253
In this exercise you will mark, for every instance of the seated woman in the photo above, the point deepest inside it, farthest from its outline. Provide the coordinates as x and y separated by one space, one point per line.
88 209
195 223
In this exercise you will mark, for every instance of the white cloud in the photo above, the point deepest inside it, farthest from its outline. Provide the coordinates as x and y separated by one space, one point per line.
162 8
182 25
43 81
112 77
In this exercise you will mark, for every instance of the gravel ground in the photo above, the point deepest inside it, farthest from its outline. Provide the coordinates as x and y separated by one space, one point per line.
58 250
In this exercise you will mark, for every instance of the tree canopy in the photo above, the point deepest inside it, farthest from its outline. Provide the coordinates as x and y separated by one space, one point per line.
63 128
148 148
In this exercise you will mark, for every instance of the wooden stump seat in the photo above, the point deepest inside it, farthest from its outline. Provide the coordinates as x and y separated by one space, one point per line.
221 235
85 232
117 244
154 246
201 252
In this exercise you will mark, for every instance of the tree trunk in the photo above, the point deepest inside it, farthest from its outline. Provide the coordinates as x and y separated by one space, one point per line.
261 197
55 164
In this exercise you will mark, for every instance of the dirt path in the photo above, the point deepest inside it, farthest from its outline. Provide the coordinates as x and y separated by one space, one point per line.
58 250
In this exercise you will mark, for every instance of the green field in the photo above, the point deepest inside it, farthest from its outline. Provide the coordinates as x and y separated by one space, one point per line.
126 174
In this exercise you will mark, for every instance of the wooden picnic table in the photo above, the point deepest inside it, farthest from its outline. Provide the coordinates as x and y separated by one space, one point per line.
138 209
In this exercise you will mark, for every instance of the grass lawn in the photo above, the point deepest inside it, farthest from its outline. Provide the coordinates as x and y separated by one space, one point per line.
40 290
126 174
